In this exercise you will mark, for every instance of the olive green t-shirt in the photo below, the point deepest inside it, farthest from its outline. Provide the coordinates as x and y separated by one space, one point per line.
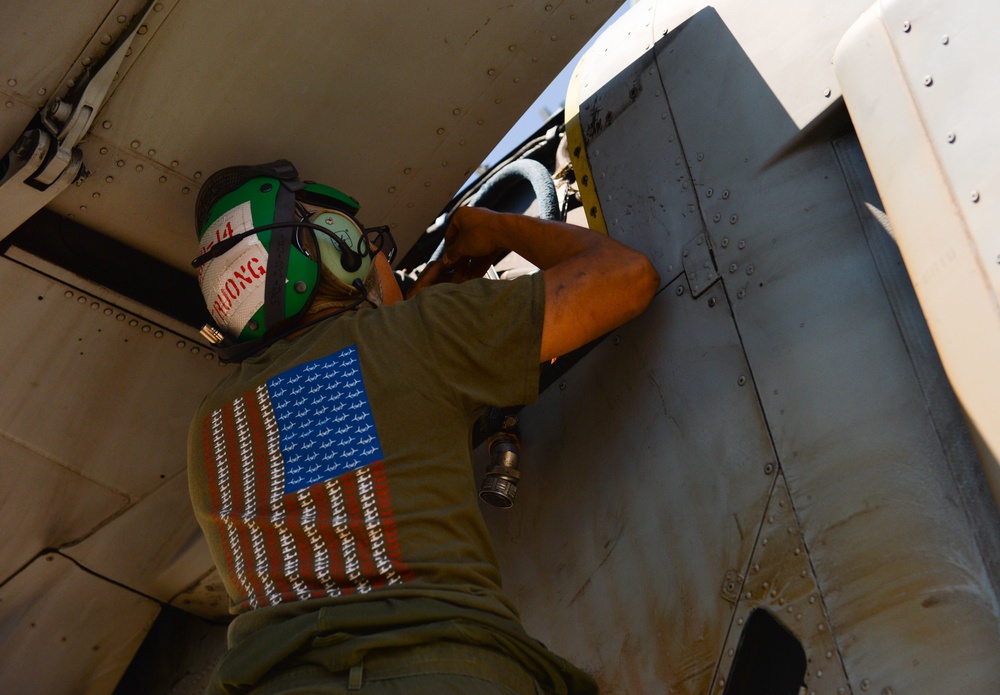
332 478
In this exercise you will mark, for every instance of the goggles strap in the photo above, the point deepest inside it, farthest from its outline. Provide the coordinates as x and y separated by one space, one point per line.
278 254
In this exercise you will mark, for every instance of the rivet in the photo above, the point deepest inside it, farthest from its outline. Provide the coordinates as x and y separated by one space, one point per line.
725 242
764 542
440 131
768 469
122 19
41 91
95 305
12 82
741 294
135 144
945 39
711 302
86 62
708 193
705 264
841 691
766 585
138 167
517 80
143 29
120 317
95 195
147 328
106 40
300 287
133 323
748 595
725 195
480 121
10 104
733 219
120 163
185 190
700 156
81 300
827 93
742 245
410 205
797 551
617 340
887 691
798 616
158 334
392 189
928 80
677 162
553 38
865 684
209 356
749 270
950 137
821 628
686 253
512 48
106 125
562 385
717 217
181 344
197 174
195 350
174 164
548 8
83 207
491 71
975 196
151 152
157 7
407 171
732 267
680 290
104 150
812 599
730 652
163 179
456 111
109 311
802 573
907 26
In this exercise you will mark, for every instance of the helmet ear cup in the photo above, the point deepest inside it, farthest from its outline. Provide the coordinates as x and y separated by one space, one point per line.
350 266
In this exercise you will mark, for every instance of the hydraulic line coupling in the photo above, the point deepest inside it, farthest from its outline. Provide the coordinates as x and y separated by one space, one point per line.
499 486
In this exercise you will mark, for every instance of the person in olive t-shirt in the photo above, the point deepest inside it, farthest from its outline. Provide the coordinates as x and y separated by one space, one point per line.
331 473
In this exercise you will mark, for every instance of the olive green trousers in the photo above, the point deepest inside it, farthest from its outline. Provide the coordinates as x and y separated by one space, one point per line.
444 668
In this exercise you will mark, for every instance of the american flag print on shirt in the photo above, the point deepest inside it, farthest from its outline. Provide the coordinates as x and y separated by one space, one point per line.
298 489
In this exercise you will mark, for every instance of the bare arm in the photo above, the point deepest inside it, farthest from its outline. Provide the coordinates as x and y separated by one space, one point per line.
593 284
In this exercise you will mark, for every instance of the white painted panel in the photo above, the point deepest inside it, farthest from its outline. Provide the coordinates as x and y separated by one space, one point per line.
64 630
44 505
156 547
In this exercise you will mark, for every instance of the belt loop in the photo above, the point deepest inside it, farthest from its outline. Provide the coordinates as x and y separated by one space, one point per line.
354 677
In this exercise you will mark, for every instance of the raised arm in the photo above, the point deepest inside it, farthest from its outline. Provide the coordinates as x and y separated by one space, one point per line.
593 284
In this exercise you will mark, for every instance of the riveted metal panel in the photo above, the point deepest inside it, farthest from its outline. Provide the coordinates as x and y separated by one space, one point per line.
865 468
140 551
395 104
64 630
97 390
644 480
781 580
646 194
48 505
